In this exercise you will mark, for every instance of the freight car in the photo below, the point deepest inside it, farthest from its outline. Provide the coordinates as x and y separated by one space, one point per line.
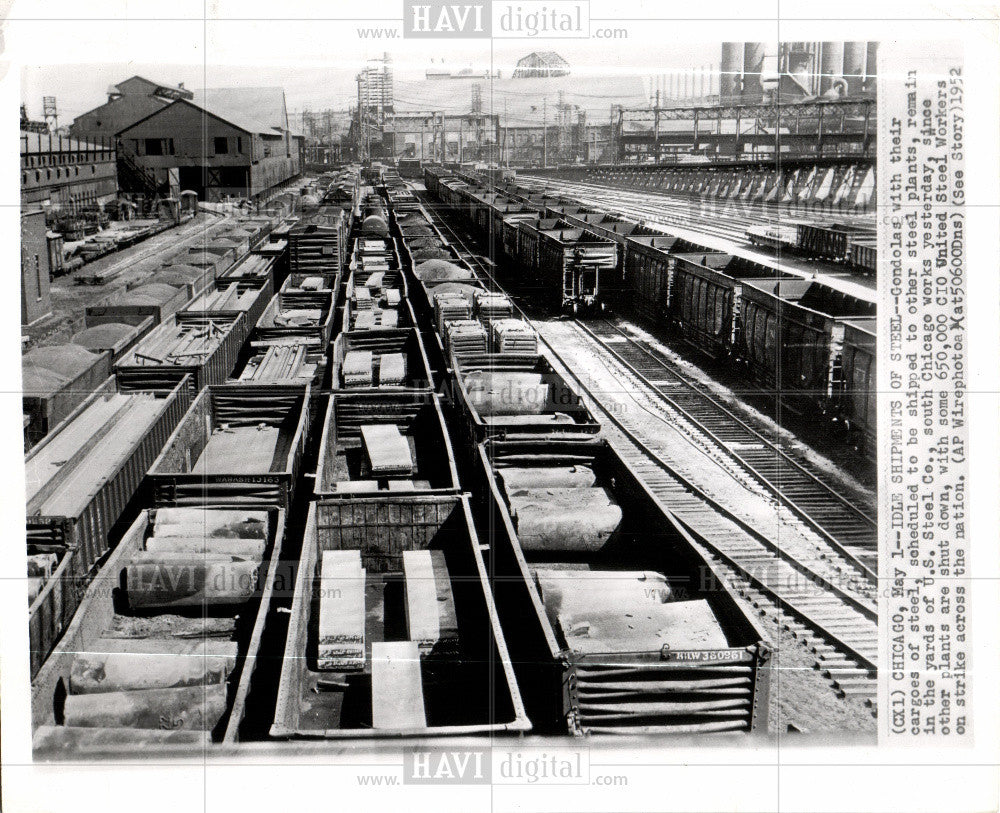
381 361
154 658
377 443
80 481
648 274
623 626
230 299
115 329
202 350
56 379
238 443
704 293
499 399
288 318
393 630
791 334
830 240
859 384
572 264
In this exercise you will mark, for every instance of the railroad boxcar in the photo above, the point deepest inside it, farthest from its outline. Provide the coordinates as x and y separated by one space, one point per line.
648 273
375 443
623 627
859 384
238 443
380 361
80 480
703 295
791 332
203 350
455 680
110 627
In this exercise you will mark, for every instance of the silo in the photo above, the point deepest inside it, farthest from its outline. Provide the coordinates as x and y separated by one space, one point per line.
730 70
753 62
855 54
831 64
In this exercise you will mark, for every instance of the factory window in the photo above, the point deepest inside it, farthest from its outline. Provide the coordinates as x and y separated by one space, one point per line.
24 177
221 145
154 146
38 175
135 146
93 169
76 170
38 277
239 144
48 174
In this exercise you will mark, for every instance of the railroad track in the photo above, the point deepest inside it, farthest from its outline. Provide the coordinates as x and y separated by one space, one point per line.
832 515
797 589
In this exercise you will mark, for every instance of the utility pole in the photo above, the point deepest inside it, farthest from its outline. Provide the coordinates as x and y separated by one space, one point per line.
545 133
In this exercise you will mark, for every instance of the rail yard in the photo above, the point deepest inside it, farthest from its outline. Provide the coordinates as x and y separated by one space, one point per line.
408 440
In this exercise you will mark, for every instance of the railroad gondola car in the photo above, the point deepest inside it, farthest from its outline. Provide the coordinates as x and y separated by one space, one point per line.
791 332
376 443
152 661
415 649
648 274
380 361
623 626
572 265
859 387
80 480
703 298
238 443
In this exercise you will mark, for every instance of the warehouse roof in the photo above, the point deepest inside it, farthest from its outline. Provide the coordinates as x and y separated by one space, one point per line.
247 122
263 104
32 143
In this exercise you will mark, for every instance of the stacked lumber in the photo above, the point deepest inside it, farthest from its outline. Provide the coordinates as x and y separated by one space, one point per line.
161 670
514 336
341 639
601 612
357 369
386 450
492 306
465 337
448 306
431 620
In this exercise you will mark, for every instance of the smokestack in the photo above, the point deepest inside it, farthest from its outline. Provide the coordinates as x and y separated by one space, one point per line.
831 64
871 68
854 66
730 70
753 64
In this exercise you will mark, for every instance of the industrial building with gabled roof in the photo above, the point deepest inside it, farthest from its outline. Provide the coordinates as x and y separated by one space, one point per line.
223 142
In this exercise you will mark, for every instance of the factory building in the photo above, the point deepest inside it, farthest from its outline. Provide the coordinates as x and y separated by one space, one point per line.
36 301
224 142
128 101
66 174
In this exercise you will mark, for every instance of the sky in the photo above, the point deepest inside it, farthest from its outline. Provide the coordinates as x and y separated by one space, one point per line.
79 87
